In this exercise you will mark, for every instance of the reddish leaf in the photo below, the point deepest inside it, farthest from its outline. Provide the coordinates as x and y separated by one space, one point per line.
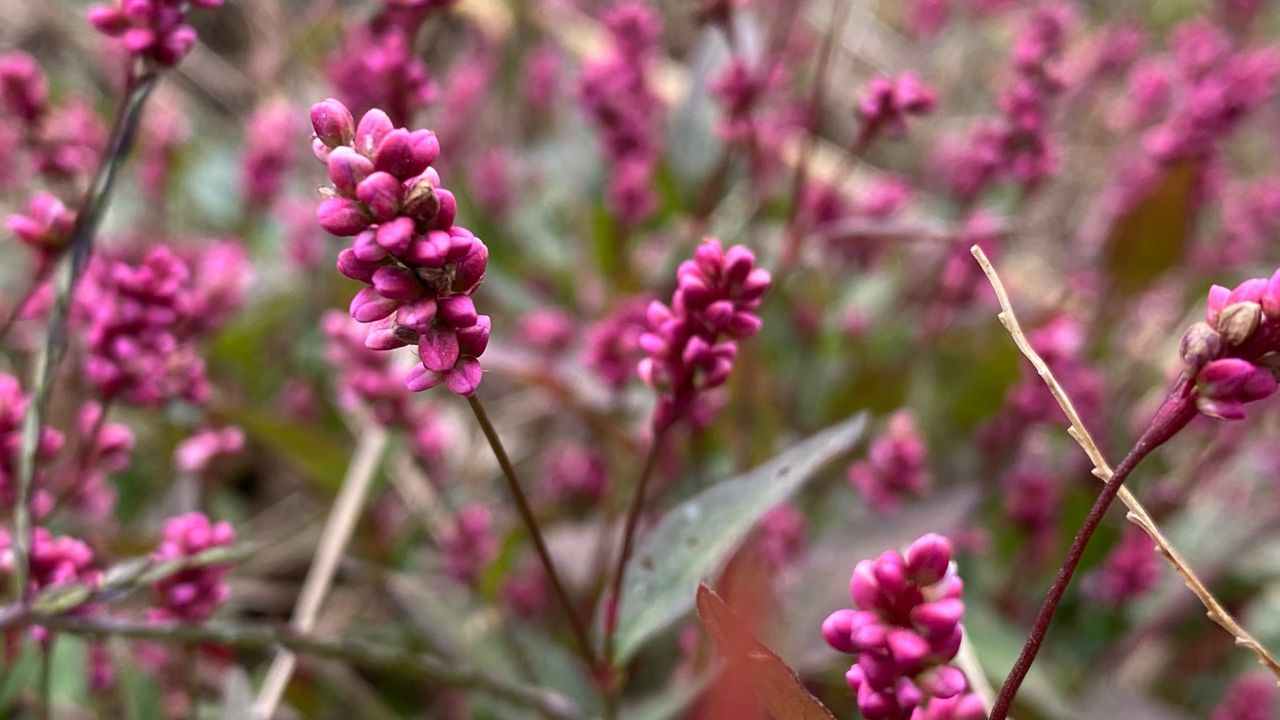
776 685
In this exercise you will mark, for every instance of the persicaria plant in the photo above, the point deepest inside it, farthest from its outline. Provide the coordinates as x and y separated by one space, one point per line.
754 329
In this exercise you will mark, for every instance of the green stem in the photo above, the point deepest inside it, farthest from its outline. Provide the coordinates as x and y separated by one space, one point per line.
259 637
72 266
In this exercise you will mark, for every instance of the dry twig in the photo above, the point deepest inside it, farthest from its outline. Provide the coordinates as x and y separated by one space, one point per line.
1137 514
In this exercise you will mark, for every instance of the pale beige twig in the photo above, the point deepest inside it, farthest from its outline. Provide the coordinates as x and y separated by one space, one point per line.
337 533
1137 514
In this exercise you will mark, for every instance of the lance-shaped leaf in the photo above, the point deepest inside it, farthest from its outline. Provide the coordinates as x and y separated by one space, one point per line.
776 685
696 537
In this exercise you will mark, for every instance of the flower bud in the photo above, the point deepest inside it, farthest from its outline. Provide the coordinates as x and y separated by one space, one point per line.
341 216
465 378
347 168
381 192
350 265
838 628
470 270
333 123
417 316
473 340
458 311
438 348
1199 345
368 305
396 237
1237 321
373 127
397 283
396 155
928 558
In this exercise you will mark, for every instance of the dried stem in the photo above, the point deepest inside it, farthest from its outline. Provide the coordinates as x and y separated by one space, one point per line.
80 245
245 636
1137 514
531 523
337 533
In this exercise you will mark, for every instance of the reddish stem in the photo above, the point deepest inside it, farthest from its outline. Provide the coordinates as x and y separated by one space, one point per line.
1178 409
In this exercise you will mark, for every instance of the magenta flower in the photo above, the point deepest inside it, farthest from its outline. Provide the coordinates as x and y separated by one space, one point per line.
420 268
193 594
616 94
904 629
692 343
895 466
782 535
13 407
153 29
24 91
1225 353
54 560
139 328
377 68
613 342
576 474
886 103
45 226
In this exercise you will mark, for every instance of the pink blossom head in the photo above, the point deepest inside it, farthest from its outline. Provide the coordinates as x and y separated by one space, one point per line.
1252 697
152 29
904 629
1129 572
576 474
782 535
470 544
547 330
45 226
193 594
24 91
270 136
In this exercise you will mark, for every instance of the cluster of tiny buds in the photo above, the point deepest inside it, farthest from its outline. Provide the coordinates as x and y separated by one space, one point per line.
887 102
1129 572
895 466
45 227
1230 355
193 594
904 629
420 268
691 344
576 474
152 29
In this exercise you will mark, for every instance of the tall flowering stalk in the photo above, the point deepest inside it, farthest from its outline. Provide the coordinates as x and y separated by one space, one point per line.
1226 361
690 347
420 270
156 36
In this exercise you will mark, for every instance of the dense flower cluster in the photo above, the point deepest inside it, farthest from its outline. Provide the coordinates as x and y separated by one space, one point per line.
896 465
153 29
54 560
548 330
1016 144
420 268
692 343
13 407
377 68
739 88
887 102
193 594
1130 571
138 320
615 92
904 629
1226 354
104 448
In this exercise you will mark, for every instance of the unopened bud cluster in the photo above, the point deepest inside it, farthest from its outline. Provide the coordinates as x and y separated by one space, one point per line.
153 29
904 628
1231 354
420 268
691 344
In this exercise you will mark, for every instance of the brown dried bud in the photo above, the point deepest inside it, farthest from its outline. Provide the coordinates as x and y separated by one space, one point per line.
421 202
1200 345
1237 322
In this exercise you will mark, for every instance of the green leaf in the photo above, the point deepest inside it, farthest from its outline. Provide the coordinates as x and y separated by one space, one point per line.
22 674
669 702
696 537
141 694
776 685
